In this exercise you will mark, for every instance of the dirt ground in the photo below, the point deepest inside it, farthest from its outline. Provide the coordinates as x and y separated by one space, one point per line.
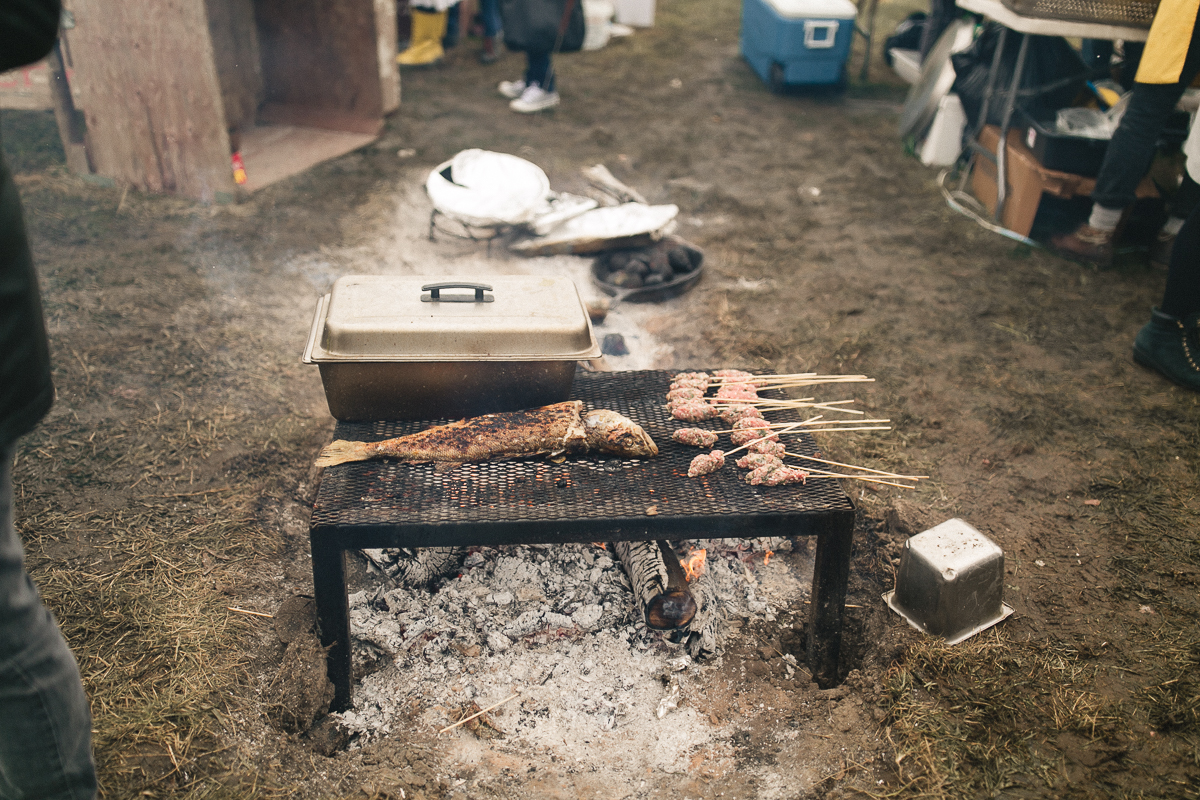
172 480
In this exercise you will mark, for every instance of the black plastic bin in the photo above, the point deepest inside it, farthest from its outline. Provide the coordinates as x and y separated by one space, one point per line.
1063 152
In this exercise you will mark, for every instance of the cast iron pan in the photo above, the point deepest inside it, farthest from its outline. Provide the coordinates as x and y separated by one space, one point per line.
679 282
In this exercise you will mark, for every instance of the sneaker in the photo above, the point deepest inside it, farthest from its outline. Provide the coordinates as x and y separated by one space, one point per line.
512 89
1171 346
533 99
1087 244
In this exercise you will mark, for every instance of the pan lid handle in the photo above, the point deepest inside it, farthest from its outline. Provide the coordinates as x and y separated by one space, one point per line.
435 293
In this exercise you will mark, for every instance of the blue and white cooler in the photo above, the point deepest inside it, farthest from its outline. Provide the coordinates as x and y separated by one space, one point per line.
797 42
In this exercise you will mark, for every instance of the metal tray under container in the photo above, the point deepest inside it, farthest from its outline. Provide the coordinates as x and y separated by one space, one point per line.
950 582
1129 13
393 347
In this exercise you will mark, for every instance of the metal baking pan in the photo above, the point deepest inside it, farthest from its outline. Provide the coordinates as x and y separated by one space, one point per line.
391 347
950 582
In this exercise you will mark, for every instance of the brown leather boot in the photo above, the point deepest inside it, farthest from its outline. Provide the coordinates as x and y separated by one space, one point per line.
1087 244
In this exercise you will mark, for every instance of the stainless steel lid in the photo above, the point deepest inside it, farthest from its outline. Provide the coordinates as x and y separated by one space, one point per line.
394 318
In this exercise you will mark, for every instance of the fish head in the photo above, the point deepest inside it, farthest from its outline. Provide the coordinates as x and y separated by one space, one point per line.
609 432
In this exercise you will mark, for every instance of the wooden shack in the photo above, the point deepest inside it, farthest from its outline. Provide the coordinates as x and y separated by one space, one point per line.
170 88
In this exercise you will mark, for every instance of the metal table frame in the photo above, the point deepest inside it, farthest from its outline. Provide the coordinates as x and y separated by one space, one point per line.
1026 26
831 520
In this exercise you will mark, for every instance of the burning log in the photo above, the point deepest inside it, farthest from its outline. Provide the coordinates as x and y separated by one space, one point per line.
659 583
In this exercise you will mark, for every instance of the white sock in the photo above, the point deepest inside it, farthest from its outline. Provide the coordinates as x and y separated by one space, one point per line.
1105 219
1172 226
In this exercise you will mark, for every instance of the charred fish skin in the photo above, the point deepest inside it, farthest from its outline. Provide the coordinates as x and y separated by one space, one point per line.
553 431
548 431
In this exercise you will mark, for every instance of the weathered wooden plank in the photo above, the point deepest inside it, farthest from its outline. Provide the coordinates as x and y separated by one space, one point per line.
235 49
151 96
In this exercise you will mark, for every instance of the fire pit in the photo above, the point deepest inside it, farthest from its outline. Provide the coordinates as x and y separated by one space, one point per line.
389 504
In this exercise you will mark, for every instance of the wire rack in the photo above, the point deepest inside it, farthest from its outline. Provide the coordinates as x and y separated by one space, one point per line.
580 488
1130 13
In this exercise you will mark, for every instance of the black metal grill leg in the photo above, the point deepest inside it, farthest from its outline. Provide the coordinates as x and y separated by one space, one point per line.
333 612
831 575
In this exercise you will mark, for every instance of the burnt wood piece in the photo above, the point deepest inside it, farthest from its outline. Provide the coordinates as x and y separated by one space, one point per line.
665 601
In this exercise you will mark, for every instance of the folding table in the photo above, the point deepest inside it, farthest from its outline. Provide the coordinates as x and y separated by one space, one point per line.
1030 26
583 499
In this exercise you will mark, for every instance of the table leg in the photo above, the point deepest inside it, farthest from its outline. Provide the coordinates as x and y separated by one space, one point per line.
831 575
1010 102
333 613
988 89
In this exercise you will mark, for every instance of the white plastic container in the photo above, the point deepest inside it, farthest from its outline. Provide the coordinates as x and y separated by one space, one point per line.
598 16
943 145
638 13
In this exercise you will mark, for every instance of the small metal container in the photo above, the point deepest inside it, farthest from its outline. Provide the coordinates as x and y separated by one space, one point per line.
393 347
950 582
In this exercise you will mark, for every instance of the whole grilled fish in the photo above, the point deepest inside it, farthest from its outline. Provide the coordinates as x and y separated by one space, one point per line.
556 430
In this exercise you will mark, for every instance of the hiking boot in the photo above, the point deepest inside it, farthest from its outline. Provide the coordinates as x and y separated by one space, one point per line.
512 89
1172 347
534 99
1087 244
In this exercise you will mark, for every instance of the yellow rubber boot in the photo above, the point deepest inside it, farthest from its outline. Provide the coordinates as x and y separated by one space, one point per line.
428 28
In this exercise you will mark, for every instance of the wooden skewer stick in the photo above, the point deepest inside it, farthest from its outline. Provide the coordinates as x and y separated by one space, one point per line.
817 420
761 439
251 613
780 402
852 466
844 430
823 474
787 376
479 713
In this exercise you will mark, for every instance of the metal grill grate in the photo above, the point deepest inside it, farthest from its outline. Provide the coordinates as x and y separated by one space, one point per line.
582 488
1132 13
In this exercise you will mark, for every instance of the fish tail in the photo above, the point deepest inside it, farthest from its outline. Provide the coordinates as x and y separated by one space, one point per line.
342 451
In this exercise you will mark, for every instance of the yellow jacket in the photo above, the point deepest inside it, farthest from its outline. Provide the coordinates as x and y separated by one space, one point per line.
1167 45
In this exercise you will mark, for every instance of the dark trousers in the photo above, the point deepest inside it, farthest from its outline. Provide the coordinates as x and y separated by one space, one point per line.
539 70
1132 147
45 725
1181 298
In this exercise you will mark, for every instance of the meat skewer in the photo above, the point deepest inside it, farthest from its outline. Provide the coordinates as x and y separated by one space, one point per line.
696 437
554 430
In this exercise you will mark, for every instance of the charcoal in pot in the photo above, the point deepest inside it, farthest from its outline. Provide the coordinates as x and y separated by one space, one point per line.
678 258
626 280
654 279
617 261
638 266
659 262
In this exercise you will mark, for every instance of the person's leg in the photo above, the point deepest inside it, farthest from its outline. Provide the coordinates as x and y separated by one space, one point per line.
537 68
489 13
1170 341
425 46
1181 297
539 93
453 21
1186 198
45 733
1126 161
